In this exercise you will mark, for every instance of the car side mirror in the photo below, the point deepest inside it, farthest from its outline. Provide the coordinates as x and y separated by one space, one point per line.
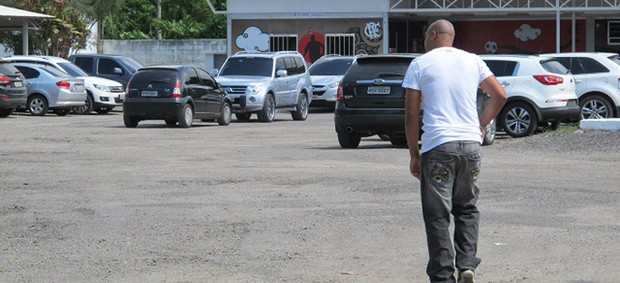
214 72
118 71
281 73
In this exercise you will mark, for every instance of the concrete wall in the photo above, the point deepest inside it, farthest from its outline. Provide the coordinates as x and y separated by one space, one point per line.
208 53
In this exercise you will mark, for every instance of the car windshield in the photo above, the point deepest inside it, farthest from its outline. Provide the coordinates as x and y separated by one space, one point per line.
615 59
54 72
73 70
248 66
7 69
553 66
132 64
333 67
154 78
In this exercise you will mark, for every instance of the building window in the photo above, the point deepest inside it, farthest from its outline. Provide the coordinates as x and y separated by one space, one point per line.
282 42
613 32
340 43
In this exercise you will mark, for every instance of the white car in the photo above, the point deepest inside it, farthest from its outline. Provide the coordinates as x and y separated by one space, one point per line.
102 94
540 91
598 82
326 73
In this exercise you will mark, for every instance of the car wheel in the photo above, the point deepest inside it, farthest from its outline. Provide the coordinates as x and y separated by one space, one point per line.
398 140
243 116
595 107
130 121
384 137
6 112
519 120
171 122
37 105
186 116
225 114
349 140
268 113
86 108
104 110
301 110
489 134
62 112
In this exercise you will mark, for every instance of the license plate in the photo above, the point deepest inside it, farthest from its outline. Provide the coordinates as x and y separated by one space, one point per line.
18 84
79 88
379 90
149 93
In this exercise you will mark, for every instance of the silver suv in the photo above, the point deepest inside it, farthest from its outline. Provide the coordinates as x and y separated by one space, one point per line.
262 82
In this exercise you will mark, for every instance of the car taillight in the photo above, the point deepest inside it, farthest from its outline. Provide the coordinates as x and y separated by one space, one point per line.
176 93
549 79
4 80
63 84
339 95
127 90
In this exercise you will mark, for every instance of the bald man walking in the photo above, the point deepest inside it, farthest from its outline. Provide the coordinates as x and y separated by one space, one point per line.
444 83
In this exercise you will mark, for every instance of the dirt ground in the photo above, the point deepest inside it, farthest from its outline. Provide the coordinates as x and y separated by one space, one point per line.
84 199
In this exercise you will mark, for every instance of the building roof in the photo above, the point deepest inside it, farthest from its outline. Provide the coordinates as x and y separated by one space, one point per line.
12 18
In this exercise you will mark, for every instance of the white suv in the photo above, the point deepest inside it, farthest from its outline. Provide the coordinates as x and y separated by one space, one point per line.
540 91
261 82
102 94
598 82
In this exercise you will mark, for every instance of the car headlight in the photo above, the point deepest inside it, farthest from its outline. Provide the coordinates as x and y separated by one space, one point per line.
254 89
102 87
333 85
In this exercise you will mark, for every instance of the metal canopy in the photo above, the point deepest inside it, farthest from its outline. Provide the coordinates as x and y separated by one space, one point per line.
16 19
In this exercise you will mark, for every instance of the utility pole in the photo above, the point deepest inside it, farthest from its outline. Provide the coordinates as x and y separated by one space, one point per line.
159 18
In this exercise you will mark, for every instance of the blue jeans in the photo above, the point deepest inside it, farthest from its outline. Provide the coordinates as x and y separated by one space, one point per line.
449 175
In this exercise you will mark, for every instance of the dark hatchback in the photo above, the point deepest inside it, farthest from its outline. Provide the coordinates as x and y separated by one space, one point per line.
175 94
13 93
371 99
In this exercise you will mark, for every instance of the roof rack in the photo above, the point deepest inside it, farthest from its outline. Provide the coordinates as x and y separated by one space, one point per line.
267 52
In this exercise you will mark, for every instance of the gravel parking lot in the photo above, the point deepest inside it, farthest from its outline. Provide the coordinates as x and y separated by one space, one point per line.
84 199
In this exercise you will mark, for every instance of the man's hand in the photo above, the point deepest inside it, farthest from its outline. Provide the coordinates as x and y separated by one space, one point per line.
414 167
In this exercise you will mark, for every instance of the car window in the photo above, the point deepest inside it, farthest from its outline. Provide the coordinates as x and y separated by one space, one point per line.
191 77
205 78
502 68
84 63
280 64
248 66
29 73
106 66
554 66
154 78
591 66
615 59
332 67
566 62
131 64
291 67
72 69
380 67
52 71
301 66
7 69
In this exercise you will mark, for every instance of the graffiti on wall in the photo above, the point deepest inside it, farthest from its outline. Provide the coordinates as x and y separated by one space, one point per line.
252 39
312 46
369 39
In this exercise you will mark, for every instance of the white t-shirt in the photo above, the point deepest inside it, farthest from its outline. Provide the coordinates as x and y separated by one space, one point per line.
448 79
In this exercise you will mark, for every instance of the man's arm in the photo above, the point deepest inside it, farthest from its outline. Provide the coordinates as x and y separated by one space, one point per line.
412 128
498 97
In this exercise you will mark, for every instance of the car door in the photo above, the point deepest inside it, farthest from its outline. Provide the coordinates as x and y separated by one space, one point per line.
504 71
110 69
213 94
31 76
594 74
575 67
280 84
292 80
195 90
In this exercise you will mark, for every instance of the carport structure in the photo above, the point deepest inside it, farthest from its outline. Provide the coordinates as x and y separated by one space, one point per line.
15 19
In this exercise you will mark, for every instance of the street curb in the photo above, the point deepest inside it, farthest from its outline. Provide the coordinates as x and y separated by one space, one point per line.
612 124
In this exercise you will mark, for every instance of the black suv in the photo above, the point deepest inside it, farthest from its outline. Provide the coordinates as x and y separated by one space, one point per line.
114 67
175 94
13 93
371 99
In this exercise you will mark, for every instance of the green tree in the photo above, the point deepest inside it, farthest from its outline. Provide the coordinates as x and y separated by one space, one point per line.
95 11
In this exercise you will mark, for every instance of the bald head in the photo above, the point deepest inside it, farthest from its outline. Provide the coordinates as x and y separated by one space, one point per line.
439 34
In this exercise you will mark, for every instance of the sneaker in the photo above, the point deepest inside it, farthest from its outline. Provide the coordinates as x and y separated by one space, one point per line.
467 276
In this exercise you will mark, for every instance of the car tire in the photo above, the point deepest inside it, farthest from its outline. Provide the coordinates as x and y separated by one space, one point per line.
86 108
519 119
489 134
104 110
301 109
595 107
268 113
37 105
225 114
186 116
131 121
6 112
62 112
171 122
349 140
243 116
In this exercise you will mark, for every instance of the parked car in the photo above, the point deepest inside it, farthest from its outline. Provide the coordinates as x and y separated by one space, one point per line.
598 82
175 94
326 74
114 67
102 95
49 88
13 93
541 92
263 82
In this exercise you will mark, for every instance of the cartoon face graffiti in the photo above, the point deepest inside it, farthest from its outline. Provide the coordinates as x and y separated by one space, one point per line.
490 47
253 39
